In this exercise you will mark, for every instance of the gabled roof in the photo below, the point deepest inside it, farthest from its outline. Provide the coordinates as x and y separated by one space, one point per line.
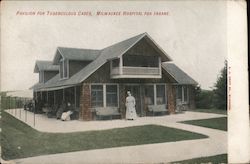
75 54
99 57
180 76
42 65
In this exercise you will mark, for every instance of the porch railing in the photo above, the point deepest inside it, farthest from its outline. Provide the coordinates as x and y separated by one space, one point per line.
136 71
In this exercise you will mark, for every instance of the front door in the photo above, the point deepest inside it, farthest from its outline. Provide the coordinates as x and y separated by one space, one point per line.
136 92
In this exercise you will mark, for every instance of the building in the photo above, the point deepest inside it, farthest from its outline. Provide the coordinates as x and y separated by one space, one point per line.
95 82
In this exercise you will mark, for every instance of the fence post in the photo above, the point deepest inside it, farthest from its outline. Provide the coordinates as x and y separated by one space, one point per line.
15 105
34 113
9 103
20 109
25 110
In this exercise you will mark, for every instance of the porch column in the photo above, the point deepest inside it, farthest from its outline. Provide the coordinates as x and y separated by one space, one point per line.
36 96
63 95
171 98
159 60
143 99
121 66
85 103
75 96
47 97
36 100
54 97
41 94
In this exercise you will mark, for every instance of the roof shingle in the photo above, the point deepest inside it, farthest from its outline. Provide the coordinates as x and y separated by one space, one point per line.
99 58
43 65
180 76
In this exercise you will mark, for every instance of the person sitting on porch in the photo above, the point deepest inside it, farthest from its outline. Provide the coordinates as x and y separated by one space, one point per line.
66 115
61 109
130 107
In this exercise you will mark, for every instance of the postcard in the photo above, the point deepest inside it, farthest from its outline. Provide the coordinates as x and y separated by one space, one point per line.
124 82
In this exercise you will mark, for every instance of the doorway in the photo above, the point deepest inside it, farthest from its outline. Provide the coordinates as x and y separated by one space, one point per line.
136 93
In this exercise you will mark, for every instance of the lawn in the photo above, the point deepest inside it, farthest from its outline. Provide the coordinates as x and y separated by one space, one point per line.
19 140
214 123
218 159
216 111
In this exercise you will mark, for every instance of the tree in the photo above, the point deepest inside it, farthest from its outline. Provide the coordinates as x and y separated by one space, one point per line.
220 90
203 98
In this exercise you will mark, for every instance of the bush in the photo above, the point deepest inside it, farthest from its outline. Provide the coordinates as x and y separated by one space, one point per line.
203 98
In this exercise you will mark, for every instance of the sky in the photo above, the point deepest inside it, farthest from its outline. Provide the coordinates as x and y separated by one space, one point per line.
193 34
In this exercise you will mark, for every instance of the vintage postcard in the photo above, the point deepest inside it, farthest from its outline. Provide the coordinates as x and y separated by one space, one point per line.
124 82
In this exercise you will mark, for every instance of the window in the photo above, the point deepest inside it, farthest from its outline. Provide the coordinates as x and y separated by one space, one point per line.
160 94
64 69
149 94
185 93
111 96
61 70
41 77
141 61
179 92
66 66
97 96
182 94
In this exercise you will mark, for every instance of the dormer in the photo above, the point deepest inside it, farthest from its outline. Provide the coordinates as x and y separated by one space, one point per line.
46 70
72 60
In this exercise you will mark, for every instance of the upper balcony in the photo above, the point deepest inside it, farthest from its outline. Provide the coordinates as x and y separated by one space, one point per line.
133 66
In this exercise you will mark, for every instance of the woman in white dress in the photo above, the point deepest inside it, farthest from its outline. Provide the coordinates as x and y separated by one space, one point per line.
130 107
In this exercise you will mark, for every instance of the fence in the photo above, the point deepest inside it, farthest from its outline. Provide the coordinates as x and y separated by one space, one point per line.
8 102
15 107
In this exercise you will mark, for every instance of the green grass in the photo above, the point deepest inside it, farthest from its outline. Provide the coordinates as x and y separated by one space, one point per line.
216 111
32 143
214 123
218 159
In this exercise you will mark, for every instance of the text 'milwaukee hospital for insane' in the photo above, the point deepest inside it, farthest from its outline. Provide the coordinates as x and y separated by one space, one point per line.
95 82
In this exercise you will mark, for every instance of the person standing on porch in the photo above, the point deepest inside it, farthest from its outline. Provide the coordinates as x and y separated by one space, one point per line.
130 107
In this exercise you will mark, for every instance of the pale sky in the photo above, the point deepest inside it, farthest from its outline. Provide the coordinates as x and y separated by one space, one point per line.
193 34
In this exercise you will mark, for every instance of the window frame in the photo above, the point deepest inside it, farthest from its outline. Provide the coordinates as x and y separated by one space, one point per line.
91 91
164 98
62 72
104 86
41 77
155 92
150 85
117 95
182 100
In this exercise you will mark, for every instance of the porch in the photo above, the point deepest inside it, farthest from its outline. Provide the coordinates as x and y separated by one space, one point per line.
44 124
134 66
55 101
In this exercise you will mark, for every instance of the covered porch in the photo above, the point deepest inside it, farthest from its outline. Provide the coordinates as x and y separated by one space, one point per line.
54 101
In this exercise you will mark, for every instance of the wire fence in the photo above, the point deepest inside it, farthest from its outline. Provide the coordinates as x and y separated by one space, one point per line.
18 107
8 102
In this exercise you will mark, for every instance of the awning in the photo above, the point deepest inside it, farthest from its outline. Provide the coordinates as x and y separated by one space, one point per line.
54 88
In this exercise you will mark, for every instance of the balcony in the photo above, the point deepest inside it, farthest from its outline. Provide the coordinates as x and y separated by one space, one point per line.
135 72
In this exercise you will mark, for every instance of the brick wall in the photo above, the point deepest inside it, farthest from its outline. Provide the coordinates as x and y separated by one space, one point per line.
171 98
122 100
85 103
191 97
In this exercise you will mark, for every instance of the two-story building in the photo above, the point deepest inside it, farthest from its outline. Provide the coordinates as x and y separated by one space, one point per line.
93 80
